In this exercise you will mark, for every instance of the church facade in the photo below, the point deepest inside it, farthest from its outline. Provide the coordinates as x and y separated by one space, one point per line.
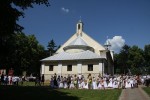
79 55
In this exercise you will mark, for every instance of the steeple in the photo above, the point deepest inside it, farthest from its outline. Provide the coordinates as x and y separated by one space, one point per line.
79 28
107 44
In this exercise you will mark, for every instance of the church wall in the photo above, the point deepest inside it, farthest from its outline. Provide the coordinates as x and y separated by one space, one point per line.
103 54
48 74
55 68
74 50
64 68
97 68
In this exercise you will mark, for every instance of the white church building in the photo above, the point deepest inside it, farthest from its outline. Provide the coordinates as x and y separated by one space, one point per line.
80 54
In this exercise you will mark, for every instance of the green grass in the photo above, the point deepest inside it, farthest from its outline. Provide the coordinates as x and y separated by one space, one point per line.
46 93
94 94
31 84
147 90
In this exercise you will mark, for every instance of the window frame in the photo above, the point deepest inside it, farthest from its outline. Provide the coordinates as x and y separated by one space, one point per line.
69 67
90 67
51 67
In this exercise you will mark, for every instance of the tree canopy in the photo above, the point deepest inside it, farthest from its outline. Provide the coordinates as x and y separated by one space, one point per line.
51 47
16 47
10 15
133 60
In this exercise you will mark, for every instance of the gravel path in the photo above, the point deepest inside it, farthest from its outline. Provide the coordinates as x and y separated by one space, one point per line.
134 94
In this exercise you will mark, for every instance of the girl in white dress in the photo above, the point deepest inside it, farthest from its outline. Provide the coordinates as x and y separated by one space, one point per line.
128 84
94 83
85 85
72 83
105 83
52 82
115 83
61 85
102 83
131 82
99 84
110 84
82 84
65 83
79 84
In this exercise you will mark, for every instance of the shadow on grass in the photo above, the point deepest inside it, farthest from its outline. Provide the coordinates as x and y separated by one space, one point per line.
33 93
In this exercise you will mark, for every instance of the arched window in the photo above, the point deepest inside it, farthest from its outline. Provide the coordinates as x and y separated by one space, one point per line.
78 26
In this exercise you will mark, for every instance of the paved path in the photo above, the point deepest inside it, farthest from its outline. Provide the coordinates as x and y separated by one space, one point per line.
134 94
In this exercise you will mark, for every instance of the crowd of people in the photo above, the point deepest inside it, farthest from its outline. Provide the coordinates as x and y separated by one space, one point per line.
105 82
15 80
9 80
81 82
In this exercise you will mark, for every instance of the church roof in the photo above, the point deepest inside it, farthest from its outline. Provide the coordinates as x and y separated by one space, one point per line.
73 56
78 41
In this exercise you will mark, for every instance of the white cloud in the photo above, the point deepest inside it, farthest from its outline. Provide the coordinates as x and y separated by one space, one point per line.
65 10
117 42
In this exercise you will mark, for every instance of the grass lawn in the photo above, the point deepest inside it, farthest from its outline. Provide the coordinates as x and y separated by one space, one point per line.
147 90
46 93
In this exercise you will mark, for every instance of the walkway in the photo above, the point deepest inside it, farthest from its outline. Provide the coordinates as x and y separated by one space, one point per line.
134 94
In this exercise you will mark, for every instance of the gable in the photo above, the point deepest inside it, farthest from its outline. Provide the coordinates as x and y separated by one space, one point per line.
91 42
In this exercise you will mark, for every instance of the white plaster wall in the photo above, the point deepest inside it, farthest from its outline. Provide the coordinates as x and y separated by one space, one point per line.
97 68
55 68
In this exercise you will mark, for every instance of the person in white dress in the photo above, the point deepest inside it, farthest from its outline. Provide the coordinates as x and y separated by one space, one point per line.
72 83
105 83
61 85
128 84
65 82
52 83
115 83
110 84
132 82
86 85
94 83
82 84
79 84
99 84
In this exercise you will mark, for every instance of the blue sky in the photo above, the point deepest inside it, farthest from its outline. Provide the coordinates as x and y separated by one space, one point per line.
129 19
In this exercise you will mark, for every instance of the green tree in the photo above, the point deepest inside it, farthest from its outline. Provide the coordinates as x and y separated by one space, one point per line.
136 59
10 14
147 58
26 54
117 68
122 59
51 47
10 11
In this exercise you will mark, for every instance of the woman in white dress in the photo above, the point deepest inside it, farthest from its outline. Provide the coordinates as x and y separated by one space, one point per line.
128 84
86 85
105 83
52 82
102 83
82 84
79 84
132 82
99 84
61 85
72 83
65 83
94 83
115 83
110 84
